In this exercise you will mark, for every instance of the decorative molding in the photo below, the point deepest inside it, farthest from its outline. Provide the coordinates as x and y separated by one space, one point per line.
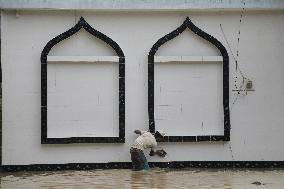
82 24
128 165
88 59
188 59
151 71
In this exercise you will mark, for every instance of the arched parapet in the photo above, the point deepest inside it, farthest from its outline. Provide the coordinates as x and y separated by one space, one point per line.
81 24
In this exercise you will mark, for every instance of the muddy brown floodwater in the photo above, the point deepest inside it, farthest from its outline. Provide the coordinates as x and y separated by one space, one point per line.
155 178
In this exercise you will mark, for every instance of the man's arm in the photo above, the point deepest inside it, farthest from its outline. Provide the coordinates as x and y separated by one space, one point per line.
160 153
152 152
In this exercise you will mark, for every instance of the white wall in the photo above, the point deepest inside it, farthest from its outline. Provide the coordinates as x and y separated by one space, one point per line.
256 118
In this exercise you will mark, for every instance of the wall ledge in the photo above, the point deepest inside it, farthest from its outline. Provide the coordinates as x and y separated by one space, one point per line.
128 165
88 59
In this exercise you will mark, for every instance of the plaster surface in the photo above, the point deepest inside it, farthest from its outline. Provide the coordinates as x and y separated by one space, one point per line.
256 116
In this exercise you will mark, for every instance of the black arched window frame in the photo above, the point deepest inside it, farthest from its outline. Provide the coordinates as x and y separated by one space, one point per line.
82 24
188 24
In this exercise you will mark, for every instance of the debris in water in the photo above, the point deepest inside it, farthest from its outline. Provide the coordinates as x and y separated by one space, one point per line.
256 183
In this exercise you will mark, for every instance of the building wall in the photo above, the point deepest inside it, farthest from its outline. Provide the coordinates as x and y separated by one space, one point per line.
188 96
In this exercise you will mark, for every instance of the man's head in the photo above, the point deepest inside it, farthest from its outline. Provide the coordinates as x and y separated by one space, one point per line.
138 132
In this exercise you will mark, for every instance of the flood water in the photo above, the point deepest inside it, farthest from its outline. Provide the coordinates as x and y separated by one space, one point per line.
155 178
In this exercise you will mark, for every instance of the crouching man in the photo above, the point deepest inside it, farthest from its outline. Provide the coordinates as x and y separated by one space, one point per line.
144 141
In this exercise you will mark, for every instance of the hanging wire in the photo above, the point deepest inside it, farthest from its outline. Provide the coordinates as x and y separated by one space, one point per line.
75 17
236 57
239 35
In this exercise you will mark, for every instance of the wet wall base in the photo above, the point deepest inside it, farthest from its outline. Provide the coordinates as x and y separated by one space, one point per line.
128 165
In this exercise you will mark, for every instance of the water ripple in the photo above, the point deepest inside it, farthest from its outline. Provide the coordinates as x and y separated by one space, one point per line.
154 179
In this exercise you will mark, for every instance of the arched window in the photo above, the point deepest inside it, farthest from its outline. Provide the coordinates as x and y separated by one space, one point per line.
224 58
120 59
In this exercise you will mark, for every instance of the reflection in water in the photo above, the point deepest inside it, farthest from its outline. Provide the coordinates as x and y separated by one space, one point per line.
148 179
155 178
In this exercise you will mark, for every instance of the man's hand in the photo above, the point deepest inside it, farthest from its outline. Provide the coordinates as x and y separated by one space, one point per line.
161 153
138 132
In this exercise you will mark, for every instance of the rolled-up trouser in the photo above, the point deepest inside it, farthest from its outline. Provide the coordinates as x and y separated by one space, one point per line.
139 161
